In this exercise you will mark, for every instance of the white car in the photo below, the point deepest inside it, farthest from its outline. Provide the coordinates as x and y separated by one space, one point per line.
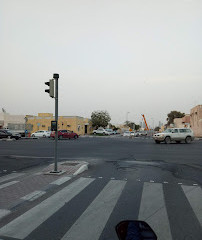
41 133
127 134
174 134
110 131
101 130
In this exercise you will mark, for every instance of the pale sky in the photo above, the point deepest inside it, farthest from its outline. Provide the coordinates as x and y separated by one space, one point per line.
137 56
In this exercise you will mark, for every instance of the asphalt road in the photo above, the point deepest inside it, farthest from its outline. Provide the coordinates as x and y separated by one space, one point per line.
110 156
135 178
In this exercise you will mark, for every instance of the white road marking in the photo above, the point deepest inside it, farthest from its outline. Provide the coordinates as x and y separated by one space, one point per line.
100 177
97 213
194 196
8 184
34 195
23 225
180 183
151 181
195 184
165 182
10 176
4 212
61 180
153 210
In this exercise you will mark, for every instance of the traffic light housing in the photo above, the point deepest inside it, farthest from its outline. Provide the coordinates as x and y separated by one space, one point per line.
51 88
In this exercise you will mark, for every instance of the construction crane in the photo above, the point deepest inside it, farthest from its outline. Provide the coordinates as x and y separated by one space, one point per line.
146 126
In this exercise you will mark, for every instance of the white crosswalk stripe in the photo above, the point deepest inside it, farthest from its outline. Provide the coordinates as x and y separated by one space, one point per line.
8 184
194 196
98 210
97 213
22 226
153 210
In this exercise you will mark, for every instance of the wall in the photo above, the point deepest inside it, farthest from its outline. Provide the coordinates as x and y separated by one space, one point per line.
6 118
196 120
72 123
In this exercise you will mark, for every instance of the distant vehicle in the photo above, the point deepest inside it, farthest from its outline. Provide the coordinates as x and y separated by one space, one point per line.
65 134
127 134
5 133
174 134
142 133
41 133
101 130
110 131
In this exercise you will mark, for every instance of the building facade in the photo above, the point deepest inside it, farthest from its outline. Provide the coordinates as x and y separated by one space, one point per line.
196 120
13 122
183 122
79 125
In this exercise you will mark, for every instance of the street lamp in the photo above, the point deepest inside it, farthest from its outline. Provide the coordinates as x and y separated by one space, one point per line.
127 116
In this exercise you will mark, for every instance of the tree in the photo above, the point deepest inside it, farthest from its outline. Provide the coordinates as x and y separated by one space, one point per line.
137 127
132 125
156 129
100 118
172 115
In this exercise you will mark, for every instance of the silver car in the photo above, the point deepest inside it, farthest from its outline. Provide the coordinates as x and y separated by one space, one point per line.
174 134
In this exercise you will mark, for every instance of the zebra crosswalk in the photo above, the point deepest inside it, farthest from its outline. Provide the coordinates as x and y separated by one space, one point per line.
89 208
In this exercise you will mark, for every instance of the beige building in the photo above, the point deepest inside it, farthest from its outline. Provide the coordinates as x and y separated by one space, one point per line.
196 120
14 122
77 124
183 122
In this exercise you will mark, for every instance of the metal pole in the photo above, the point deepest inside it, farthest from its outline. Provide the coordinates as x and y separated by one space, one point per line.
56 76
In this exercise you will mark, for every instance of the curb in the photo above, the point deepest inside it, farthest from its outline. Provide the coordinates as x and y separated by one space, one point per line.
83 168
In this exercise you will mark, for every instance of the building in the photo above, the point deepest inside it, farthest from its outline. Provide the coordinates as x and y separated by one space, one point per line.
196 120
77 124
12 122
183 122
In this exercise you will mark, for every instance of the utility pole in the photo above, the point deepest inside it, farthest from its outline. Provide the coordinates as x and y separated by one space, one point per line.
127 116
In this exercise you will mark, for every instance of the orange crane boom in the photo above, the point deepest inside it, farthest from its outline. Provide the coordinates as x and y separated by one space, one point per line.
146 128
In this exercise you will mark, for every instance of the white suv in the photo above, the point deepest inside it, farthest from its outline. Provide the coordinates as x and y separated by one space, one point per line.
174 134
101 130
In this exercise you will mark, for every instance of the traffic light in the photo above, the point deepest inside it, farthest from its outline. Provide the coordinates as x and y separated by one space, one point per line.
51 88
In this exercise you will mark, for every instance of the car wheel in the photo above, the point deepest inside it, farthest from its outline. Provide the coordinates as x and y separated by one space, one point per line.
94 133
167 140
178 142
188 139
156 141
75 137
60 137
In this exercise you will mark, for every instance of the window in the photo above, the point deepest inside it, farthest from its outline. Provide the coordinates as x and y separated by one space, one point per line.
43 125
182 130
63 131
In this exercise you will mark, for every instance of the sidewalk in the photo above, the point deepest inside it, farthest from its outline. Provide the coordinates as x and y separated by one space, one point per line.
23 187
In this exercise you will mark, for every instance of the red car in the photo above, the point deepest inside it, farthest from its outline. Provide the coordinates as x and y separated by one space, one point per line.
62 134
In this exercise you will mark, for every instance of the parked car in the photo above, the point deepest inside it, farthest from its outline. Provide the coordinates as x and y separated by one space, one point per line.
101 130
127 134
110 131
62 134
4 133
174 134
41 133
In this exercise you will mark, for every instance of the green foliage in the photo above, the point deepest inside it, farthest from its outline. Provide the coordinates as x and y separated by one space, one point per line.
100 119
132 125
137 127
157 129
172 115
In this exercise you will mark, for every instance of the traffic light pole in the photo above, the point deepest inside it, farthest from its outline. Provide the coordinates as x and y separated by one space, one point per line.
56 76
